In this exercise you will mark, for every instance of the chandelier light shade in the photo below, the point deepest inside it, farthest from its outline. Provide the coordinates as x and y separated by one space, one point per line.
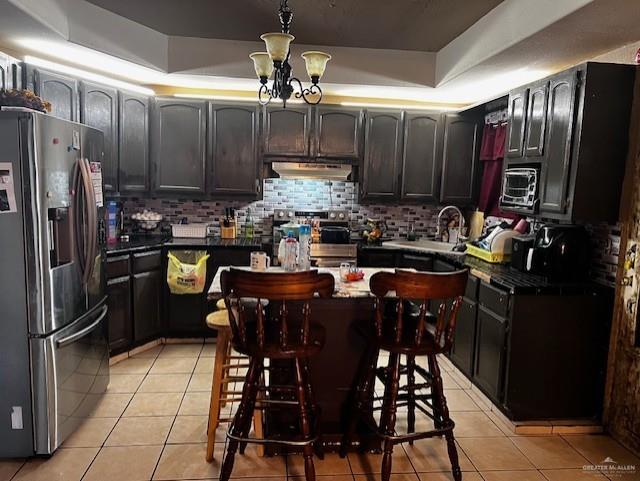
263 65
276 61
277 45
315 62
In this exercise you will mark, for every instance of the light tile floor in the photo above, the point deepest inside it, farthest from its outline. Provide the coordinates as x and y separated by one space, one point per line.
152 426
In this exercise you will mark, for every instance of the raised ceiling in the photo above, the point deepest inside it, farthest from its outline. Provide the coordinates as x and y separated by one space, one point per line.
423 25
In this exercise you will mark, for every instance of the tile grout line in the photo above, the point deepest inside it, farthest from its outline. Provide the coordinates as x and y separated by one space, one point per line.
164 446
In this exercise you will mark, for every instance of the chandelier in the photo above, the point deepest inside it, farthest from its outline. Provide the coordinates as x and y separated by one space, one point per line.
276 59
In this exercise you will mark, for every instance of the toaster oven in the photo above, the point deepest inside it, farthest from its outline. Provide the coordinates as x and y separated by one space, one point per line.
520 189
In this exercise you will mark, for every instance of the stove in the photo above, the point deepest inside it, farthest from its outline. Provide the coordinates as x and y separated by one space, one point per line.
322 254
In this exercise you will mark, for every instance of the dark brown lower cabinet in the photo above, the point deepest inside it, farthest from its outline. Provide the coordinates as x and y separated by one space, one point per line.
146 305
119 304
490 353
462 352
416 261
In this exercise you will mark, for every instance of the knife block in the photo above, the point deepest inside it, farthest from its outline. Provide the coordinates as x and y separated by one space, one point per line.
228 232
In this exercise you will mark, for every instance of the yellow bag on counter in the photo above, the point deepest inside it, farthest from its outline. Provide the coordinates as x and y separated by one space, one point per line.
187 271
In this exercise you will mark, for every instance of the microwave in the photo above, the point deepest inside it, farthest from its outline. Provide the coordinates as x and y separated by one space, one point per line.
520 189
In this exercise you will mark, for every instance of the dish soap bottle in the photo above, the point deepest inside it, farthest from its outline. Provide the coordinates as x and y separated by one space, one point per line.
290 253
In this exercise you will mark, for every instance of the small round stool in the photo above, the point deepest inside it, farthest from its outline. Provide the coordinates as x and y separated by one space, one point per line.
224 363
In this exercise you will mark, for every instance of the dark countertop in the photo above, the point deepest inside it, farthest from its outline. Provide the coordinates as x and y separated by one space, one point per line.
505 276
142 243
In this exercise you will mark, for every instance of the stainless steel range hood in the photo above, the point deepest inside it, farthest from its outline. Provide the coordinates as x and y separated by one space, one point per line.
312 170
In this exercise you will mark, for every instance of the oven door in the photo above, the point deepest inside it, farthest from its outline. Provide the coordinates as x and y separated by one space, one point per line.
520 190
70 373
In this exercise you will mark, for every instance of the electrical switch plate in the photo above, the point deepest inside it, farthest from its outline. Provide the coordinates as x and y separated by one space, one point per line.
16 418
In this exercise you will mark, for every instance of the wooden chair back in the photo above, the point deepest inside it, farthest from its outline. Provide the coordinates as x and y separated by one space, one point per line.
238 286
440 288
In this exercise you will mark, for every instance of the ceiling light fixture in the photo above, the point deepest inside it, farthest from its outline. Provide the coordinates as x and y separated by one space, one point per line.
276 59
39 62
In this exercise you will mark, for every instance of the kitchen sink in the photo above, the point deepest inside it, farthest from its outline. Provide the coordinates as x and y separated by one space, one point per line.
423 245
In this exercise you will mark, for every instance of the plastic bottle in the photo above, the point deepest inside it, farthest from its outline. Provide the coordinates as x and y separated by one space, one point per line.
290 253
112 222
304 255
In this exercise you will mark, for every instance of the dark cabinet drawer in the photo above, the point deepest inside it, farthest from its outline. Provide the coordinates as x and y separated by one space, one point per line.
146 261
494 299
117 266
471 291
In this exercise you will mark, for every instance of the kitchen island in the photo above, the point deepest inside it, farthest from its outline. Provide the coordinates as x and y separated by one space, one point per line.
334 369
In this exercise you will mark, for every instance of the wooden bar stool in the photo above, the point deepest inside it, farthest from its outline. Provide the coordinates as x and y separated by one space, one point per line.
282 331
225 363
410 336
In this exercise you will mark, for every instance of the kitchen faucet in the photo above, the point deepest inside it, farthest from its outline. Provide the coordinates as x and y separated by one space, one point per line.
442 211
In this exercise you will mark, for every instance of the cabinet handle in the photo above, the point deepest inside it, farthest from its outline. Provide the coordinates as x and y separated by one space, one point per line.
257 186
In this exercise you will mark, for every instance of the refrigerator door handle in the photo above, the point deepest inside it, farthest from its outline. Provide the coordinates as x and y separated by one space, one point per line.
74 337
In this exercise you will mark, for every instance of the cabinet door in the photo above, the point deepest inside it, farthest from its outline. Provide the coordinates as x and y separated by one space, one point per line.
287 131
120 323
99 109
5 72
517 122
338 133
146 304
134 143
178 146
560 120
16 74
59 90
490 351
233 139
421 157
382 154
376 258
460 160
536 121
464 338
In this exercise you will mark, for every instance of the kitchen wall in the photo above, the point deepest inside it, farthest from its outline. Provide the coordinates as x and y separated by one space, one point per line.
292 194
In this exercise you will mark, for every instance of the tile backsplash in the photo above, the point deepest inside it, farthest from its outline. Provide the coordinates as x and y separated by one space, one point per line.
291 194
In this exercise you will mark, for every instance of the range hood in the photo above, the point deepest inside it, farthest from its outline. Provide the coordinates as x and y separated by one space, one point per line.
311 170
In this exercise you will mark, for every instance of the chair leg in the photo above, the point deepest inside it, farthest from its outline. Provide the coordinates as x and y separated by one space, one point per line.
225 384
438 416
444 411
243 416
364 388
216 390
313 408
411 403
388 415
258 427
305 425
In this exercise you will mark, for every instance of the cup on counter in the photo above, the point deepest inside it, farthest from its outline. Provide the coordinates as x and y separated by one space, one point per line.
345 268
260 261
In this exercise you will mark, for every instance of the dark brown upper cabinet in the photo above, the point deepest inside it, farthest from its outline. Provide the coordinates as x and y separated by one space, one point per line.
517 123
287 131
233 150
99 109
6 81
560 118
178 146
134 143
338 133
61 91
16 74
460 165
536 120
422 156
382 155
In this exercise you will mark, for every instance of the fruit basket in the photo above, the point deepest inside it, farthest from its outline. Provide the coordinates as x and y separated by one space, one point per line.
147 219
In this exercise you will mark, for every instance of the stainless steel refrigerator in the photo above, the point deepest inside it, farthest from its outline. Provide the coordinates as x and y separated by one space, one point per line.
54 362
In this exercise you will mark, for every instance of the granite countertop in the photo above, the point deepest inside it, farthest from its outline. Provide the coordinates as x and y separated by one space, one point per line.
342 289
500 275
141 243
